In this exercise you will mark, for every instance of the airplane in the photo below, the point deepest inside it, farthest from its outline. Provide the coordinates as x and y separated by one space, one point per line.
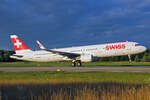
75 54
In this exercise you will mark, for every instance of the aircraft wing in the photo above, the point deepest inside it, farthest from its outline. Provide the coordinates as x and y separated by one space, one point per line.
67 54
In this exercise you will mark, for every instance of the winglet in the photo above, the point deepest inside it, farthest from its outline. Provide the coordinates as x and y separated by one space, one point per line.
40 45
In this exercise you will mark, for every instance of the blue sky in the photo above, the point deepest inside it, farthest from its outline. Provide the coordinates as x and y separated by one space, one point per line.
64 23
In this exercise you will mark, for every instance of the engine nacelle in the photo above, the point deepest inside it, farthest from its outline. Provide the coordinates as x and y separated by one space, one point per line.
86 58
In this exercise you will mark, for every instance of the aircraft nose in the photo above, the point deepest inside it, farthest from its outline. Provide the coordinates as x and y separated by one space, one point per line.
144 48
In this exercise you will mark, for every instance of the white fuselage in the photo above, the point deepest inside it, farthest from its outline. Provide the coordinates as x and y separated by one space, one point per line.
101 50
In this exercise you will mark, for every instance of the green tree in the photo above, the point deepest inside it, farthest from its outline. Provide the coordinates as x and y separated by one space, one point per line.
136 59
124 58
104 59
1 55
5 56
146 57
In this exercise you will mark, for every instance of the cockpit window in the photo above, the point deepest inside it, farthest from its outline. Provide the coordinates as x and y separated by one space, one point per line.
137 45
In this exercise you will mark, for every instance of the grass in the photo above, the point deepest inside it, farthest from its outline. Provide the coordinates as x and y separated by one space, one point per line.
66 77
75 86
30 64
76 91
103 93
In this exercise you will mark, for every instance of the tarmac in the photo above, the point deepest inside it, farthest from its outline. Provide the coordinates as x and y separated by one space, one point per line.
78 69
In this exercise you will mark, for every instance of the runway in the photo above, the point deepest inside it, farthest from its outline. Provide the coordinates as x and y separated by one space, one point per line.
78 69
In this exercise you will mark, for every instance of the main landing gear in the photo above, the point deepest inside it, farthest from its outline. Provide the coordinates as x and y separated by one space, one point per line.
76 63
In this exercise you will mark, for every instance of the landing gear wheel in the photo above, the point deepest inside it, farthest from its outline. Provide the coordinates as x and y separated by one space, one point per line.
79 63
73 64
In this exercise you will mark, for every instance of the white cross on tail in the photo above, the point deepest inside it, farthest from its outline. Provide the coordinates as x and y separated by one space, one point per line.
18 44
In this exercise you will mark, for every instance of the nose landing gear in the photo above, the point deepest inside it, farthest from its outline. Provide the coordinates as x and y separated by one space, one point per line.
129 56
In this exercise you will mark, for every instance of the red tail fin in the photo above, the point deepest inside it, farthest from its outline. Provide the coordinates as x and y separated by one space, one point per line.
18 44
